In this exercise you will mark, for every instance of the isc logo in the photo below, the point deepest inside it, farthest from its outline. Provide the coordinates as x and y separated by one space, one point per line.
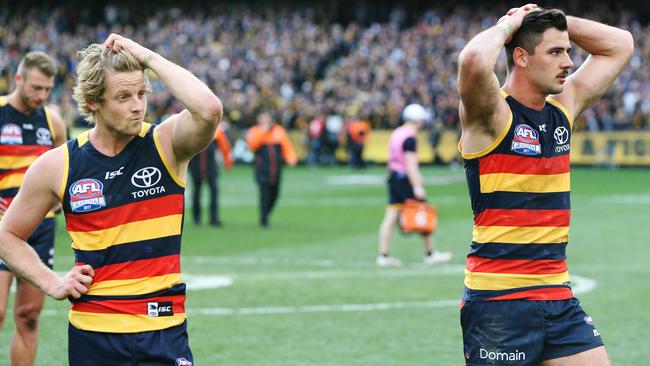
86 188
155 309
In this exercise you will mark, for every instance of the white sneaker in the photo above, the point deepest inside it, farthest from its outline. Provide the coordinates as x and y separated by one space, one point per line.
437 257
388 261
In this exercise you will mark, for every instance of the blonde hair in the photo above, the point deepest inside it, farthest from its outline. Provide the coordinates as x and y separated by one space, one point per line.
39 60
90 85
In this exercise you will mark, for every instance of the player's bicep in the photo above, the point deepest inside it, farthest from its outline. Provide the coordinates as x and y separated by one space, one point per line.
479 93
189 135
589 82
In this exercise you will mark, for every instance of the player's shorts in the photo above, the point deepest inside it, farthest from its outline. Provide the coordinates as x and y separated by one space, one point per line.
399 188
522 333
168 347
42 240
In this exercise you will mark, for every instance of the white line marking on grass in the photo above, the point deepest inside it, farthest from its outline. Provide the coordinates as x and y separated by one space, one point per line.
342 308
621 199
582 285
373 180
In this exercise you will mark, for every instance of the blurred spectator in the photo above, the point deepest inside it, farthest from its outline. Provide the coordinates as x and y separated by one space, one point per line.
357 132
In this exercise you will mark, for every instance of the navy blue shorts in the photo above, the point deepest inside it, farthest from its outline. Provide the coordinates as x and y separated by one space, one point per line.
42 240
399 188
168 347
520 332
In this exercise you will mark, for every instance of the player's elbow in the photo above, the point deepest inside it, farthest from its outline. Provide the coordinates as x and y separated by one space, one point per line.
212 109
626 44
472 61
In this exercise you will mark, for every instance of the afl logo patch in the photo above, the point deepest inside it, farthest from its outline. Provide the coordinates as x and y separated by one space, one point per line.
11 134
526 140
87 195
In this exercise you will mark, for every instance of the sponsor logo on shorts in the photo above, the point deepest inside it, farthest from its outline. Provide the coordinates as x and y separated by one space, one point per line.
501 356
588 320
87 195
156 309
526 140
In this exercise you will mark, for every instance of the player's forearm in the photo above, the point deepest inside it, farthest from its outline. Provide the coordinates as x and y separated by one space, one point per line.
600 39
413 171
24 262
197 98
482 52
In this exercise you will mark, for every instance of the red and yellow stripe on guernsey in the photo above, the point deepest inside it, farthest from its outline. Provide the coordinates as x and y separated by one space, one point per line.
511 173
505 274
125 316
20 156
151 219
136 277
144 220
14 161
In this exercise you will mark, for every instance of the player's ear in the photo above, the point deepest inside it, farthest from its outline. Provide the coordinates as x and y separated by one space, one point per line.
520 57
92 105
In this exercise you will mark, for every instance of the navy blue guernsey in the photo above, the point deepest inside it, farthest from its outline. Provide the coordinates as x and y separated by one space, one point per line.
519 188
125 217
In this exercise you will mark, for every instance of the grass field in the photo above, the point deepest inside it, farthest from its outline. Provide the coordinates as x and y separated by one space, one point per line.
307 291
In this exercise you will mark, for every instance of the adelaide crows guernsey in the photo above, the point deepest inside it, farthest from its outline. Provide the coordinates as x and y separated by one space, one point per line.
519 189
125 217
22 140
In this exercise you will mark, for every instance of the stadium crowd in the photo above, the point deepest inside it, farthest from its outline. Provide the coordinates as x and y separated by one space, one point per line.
302 64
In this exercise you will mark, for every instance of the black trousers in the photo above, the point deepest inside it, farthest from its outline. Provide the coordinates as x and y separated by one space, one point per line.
268 197
204 172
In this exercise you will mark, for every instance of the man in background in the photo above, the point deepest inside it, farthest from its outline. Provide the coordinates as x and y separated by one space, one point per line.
204 168
27 129
273 149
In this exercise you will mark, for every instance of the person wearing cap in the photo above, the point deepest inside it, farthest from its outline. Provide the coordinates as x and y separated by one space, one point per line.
405 182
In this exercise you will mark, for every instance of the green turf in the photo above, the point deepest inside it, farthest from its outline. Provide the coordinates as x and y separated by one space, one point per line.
320 251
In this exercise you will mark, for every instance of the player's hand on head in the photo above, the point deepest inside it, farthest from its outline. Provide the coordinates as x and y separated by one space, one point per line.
117 43
515 16
74 284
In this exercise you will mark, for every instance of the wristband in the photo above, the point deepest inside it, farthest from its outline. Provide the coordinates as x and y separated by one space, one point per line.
505 25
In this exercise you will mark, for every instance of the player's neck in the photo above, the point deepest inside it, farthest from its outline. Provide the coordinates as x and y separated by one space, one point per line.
16 102
107 141
524 91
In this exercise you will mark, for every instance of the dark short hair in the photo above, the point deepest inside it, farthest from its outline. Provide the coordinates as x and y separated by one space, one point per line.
529 35
39 60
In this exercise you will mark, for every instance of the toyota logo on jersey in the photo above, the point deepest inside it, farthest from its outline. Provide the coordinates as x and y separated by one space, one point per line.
526 140
146 177
87 195
561 135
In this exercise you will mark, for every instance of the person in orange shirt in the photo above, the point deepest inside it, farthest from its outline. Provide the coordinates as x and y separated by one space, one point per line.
204 168
357 133
273 149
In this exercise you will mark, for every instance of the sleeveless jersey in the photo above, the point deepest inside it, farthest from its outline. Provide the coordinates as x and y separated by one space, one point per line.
519 189
396 158
22 140
125 217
